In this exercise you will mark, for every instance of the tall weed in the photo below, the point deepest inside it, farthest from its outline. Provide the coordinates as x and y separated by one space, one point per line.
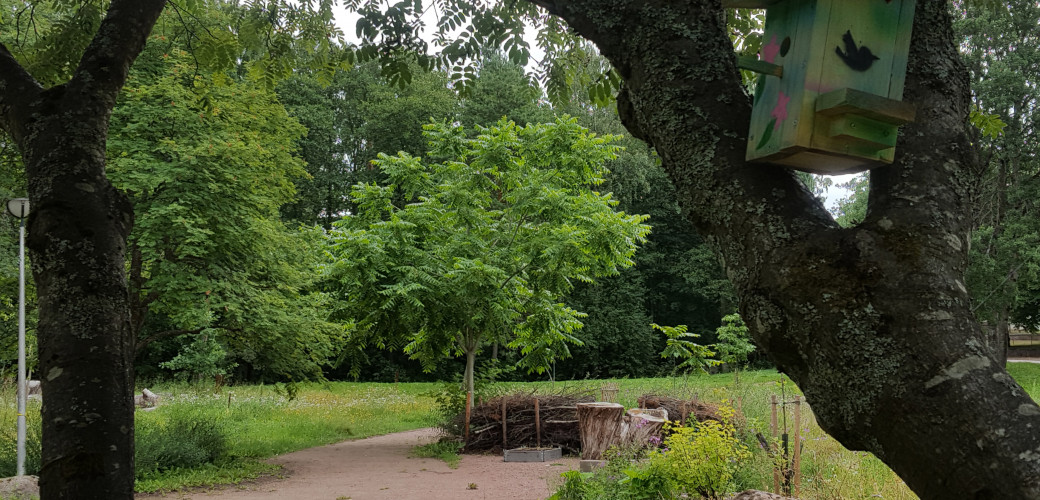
179 437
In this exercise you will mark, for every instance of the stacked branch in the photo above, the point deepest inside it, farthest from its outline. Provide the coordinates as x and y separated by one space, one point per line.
680 409
557 422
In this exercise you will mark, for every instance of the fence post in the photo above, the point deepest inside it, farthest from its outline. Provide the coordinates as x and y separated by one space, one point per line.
537 425
797 444
772 427
504 443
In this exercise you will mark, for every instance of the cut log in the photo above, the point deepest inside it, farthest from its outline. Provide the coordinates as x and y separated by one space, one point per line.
642 424
600 428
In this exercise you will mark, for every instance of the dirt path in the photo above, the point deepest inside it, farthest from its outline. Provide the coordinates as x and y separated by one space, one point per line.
378 468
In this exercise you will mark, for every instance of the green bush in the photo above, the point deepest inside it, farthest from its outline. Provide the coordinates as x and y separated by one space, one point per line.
182 437
703 461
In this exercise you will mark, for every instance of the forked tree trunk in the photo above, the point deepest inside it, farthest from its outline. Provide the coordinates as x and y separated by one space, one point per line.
77 238
872 322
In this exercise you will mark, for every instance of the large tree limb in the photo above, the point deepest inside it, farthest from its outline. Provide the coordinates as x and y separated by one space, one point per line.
17 88
106 63
873 322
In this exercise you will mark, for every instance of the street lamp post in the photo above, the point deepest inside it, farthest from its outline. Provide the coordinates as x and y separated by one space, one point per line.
19 207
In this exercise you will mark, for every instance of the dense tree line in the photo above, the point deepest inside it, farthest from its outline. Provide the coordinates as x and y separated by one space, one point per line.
226 178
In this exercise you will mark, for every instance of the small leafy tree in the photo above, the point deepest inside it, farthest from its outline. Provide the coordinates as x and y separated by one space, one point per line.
695 357
734 342
486 237
203 359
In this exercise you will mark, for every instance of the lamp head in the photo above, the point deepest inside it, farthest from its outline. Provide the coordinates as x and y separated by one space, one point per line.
18 207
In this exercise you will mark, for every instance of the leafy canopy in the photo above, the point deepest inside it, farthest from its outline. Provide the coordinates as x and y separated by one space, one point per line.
483 238
206 168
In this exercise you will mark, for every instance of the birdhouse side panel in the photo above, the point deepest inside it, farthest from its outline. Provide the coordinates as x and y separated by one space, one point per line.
902 56
862 40
782 113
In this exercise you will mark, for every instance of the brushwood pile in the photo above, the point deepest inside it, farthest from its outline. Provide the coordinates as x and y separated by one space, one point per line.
558 419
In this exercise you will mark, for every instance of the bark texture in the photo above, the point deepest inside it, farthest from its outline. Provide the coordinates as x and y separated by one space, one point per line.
872 322
77 238
600 427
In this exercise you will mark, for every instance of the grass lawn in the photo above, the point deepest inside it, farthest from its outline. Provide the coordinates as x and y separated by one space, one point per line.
260 422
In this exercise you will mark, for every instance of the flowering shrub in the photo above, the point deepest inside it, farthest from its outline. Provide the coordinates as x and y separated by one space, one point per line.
703 459
695 462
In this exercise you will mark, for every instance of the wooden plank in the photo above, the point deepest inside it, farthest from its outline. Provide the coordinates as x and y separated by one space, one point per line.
752 64
875 107
870 133
826 163
906 23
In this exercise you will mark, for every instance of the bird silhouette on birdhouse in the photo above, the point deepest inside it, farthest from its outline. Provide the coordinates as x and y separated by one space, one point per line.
858 59
829 96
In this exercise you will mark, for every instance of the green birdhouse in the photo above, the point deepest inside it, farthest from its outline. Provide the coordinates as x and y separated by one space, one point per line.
828 99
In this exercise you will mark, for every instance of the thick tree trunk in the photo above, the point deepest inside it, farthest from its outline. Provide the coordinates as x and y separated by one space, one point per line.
77 236
872 322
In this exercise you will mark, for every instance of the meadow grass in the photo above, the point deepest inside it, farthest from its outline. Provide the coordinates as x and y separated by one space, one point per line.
259 423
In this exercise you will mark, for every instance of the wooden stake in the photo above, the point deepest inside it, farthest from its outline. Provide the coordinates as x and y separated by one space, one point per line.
469 408
504 445
537 425
797 444
772 426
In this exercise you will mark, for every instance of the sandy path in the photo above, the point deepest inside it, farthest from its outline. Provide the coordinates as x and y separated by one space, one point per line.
378 468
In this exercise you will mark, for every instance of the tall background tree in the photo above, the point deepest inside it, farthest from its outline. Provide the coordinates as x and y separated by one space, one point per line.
61 73
206 162
1001 47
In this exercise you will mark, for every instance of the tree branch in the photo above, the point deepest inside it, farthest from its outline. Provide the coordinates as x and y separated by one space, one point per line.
934 156
106 63
17 89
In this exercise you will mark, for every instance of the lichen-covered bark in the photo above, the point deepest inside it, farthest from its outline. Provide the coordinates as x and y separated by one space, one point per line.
77 237
871 322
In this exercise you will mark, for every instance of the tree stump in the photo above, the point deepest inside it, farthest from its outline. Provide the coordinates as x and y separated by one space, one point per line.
600 426
642 424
